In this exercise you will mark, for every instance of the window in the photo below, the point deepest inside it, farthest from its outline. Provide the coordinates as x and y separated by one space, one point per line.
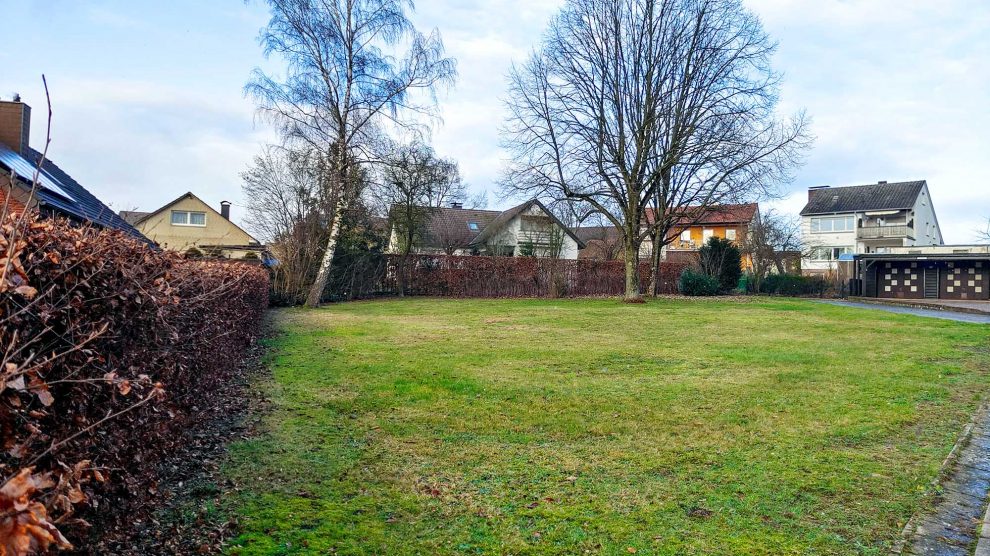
707 233
188 218
686 235
830 253
730 234
473 226
833 224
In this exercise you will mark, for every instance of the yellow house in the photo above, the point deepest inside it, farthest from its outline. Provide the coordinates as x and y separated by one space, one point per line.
190 226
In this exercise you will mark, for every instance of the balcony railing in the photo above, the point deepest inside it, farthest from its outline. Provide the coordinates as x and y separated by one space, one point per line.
537 237
885 232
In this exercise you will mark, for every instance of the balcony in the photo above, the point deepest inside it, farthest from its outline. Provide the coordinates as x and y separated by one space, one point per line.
537 237
885 232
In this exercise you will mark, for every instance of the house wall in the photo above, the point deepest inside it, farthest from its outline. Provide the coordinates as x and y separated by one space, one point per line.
826 239
19 196
217 231
678 246
513 235
926 229
926 232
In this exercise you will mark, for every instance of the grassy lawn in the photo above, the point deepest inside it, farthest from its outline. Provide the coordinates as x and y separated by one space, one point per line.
429 426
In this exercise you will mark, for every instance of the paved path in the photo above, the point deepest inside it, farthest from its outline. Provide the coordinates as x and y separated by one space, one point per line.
933 313
952 526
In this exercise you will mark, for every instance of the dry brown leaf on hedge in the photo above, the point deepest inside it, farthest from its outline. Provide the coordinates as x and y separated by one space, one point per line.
24 525
27 291
40 389
17 383
124 387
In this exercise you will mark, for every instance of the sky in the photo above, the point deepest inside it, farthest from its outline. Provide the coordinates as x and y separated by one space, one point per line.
148 96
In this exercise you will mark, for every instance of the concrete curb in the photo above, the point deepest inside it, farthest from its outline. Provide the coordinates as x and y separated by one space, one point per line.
945 470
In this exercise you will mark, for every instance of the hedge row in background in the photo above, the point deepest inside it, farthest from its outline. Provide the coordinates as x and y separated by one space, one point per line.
370 275
797 285
108 347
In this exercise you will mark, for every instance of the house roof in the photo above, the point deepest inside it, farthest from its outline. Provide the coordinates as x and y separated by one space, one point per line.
592 233
186 195
507 215
82 204
451 227
132 217
713 215
858 198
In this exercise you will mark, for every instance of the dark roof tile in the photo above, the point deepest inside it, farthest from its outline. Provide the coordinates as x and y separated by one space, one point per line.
858 198
85 205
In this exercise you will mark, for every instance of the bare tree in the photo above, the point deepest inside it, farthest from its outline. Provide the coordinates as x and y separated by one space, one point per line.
984 235
288 204
413 185
633 103
353 66
769 243
479 200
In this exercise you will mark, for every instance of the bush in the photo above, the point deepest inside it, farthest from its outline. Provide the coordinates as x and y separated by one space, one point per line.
693 282
722 260
794 285
110 349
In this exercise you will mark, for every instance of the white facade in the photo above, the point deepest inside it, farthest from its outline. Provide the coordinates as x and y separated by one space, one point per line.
827 237
533 232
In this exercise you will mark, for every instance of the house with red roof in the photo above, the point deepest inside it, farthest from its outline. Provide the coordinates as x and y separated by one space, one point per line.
691 229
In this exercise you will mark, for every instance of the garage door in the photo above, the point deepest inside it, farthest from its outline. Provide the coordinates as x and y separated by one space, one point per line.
900 280
965 280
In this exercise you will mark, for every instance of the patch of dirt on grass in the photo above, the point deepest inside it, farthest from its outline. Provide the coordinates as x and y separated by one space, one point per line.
190 485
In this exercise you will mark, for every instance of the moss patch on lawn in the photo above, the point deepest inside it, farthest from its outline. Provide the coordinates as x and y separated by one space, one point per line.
426 426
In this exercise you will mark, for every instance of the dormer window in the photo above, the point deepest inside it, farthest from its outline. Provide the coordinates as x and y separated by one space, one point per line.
473 226
188 218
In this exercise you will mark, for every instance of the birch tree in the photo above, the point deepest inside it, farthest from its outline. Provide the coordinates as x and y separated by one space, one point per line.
353 68
636 104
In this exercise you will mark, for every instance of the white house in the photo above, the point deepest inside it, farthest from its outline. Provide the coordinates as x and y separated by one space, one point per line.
529 229
839 222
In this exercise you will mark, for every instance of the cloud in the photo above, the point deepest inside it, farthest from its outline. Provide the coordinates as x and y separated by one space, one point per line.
145 144
148 101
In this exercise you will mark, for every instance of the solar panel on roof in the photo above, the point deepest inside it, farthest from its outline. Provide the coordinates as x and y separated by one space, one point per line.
25 170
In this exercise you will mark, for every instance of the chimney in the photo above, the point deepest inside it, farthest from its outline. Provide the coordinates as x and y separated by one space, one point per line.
811 190
225 209
15 125
882 182
456 205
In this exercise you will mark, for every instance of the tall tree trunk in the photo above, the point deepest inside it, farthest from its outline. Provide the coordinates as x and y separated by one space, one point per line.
316 290
401 272
632 271
655 254
323 274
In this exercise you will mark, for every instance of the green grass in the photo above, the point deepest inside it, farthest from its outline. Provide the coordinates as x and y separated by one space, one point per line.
429 426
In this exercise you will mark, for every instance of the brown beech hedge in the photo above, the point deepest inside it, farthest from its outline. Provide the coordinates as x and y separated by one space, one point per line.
370 275
107 348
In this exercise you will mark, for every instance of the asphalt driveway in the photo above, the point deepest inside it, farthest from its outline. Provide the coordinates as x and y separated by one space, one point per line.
932 313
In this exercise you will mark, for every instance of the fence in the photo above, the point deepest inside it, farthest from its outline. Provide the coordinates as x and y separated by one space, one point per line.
372 275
